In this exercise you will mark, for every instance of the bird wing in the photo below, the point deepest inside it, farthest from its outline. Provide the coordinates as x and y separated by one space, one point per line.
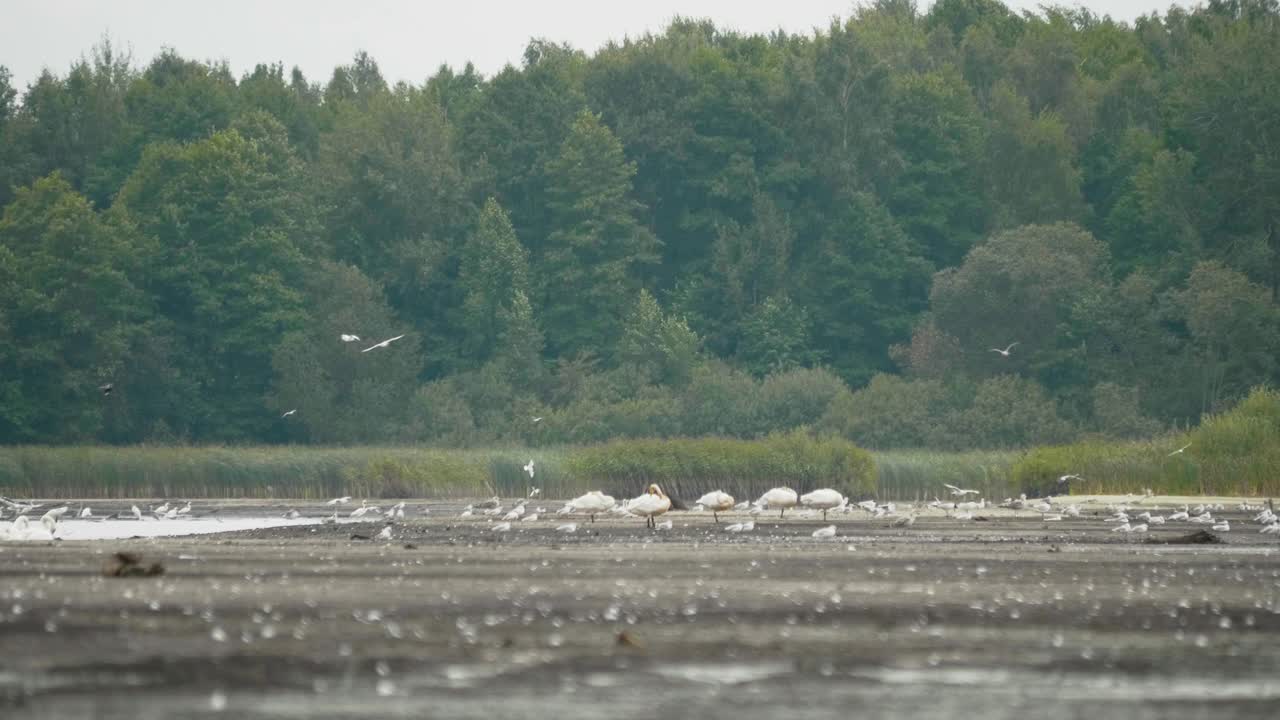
950 487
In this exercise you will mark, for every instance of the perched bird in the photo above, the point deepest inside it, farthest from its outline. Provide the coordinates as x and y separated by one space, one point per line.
288 413
650 505
531 517
823 499
137 514
467 512
593 503
1223 526
349 338
291 514
1180 515
567 528
781 498
1004 352
514 513
340 501
717 501
529 469
826 532
905 521
382 344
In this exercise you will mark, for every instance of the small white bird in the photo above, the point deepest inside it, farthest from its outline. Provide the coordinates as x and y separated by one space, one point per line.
137 514
1071 511
385 534
905 521
868 505
529 469
664 525
340 501
1139 528
501 527
292 514
1122 528
514 513
1069 478
826 532
382 344
85 512
1223 526
466 512
531 517
741 527
567 528
290 412
1180 450
537 419
331 520
742 506
1051 518
1156 519
1004 352
1204 519
963 516
185 509
1180 515
1272 529
364 508
717 501
1119 517
535 492
349 338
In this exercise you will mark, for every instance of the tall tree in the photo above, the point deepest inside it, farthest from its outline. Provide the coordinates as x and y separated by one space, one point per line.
593 259
493 270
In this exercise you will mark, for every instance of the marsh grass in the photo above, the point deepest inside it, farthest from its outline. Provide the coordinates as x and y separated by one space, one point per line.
919 475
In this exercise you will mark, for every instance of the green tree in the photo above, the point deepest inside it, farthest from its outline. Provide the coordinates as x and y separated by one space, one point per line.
592 262
220 233
1031 172
776 337
661 344
341 394
493 269
69 312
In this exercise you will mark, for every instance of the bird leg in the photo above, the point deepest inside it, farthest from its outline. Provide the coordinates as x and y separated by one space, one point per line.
715 517
784 512
824 516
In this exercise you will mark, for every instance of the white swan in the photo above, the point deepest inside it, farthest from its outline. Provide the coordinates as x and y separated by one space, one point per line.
781 498
824 500
650 505
717 501
593 503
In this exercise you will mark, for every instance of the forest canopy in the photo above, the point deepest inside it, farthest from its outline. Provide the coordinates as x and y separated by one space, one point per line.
698 232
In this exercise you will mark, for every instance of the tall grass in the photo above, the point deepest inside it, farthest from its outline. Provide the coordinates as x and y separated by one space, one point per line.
1233 453
920 474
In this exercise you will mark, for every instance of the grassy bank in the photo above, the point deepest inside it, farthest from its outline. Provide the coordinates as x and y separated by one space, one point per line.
1233 453
920 474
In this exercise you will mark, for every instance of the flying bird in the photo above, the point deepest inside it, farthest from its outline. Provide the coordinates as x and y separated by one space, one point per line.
537 419
384 343
107 388
349 338
958 492
1180 450
1004 352
287 414
529 469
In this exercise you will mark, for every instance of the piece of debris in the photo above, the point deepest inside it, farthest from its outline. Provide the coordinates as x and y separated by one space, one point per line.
982 518
410 546
626 639
124 564
1055 549
358 536
1199 537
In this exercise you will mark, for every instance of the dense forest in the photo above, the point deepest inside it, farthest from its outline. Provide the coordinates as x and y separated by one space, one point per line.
692 233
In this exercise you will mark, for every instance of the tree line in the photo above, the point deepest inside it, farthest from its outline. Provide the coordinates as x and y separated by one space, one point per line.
698 232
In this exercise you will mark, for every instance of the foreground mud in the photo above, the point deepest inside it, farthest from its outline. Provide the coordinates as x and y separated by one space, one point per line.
1012 617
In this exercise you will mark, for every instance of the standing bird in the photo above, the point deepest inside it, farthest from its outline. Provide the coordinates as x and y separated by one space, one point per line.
85 512
781 498
651 504
349 338
593 503
107 388
823 500
382 344
1004 352
717 501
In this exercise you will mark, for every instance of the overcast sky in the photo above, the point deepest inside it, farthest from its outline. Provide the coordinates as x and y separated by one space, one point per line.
408 39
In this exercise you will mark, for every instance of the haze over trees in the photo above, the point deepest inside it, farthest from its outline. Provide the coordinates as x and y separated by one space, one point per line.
691 233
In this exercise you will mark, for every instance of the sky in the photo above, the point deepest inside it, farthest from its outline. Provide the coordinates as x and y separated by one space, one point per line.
409 40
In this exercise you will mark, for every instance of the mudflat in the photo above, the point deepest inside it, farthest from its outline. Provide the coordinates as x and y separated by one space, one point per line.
1011 616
